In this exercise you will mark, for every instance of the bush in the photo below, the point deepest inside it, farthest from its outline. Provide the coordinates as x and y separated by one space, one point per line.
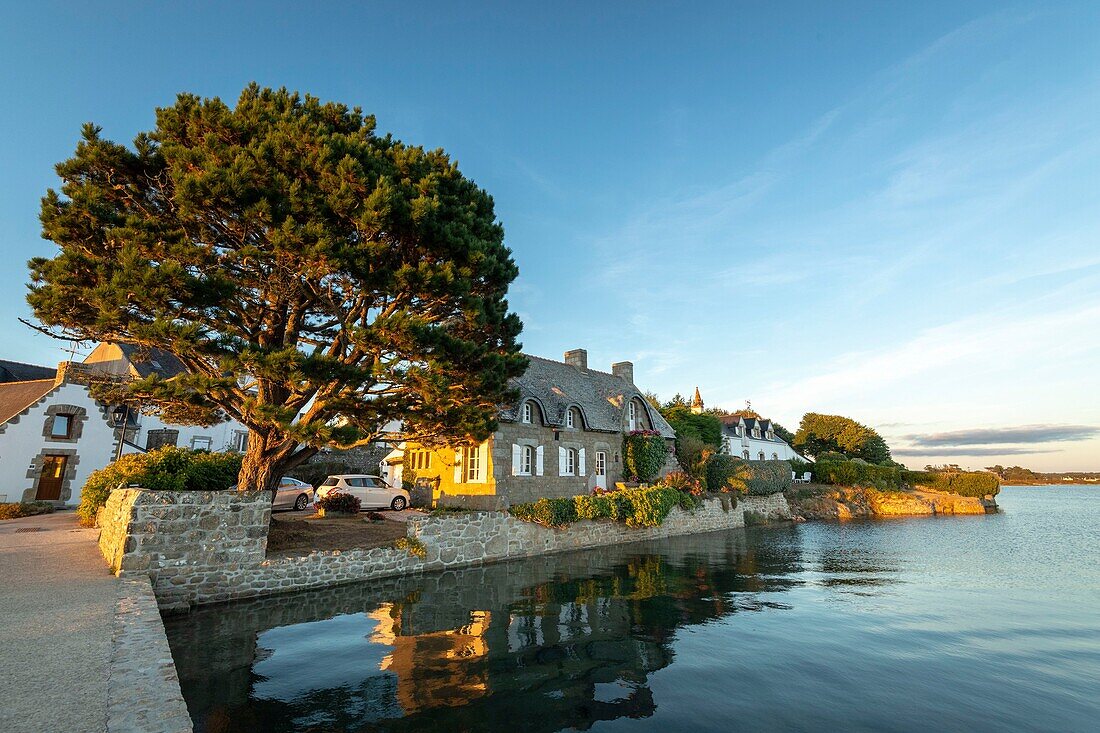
768 477
727 474
25 509
644 454
972 483
646 507
340 502
682 482
164 469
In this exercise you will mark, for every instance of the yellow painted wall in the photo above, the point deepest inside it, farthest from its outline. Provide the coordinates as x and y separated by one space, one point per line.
443 468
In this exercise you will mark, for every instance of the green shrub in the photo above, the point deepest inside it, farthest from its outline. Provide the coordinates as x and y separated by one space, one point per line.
643 507
971 483
769 477
727 474
682 482
644 453
25 509
164 469
547 512
338 501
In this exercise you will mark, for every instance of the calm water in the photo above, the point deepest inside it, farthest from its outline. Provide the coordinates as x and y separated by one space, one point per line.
955 624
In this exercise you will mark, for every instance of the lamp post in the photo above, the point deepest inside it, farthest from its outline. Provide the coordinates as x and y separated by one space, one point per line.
122 418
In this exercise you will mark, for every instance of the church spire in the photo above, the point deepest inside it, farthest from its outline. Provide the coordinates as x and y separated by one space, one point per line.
697 402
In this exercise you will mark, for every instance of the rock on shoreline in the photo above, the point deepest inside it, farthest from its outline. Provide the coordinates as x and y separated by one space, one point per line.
823 502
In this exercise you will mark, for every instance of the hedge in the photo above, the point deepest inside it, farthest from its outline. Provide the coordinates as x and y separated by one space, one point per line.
164 469
869 475
756 478
644 507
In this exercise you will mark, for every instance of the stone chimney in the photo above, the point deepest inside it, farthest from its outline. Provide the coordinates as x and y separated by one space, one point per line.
577 358
624 370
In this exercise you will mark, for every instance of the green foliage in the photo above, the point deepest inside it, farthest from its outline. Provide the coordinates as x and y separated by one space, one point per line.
704 426
768 477
754 518
693 455
317 280
165 469
643 507
338 501
866 475
727 474
547 512
973 483
412 545
644 454
799 466
820 434
25 509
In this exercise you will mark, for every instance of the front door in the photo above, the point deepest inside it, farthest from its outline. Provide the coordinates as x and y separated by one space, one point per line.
601 469
49 480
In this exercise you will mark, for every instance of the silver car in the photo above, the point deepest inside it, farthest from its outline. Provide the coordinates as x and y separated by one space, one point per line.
372 491
293 494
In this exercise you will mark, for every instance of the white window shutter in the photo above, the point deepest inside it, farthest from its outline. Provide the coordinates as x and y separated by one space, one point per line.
580 463
538 460
483 462
458 465
561 461
517 456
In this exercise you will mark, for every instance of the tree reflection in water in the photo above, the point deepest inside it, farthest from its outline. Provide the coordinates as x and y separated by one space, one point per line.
557 642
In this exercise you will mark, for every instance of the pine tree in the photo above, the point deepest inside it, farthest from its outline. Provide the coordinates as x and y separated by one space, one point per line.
316 279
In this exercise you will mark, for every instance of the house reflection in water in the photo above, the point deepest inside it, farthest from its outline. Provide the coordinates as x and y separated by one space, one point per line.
554 642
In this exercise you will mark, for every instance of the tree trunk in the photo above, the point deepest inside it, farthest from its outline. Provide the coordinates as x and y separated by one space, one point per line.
266 461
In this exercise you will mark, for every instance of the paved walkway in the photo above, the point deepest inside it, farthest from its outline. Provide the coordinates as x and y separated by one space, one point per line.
57 602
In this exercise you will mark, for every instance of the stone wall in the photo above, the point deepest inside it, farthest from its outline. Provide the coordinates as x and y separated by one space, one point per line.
204 547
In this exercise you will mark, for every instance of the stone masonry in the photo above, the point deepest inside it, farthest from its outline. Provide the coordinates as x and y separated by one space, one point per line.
209 547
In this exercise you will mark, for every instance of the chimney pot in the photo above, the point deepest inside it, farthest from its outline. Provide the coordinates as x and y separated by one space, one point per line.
577 358
624 370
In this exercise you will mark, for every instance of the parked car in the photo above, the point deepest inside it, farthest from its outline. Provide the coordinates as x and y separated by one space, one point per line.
372 491
291 494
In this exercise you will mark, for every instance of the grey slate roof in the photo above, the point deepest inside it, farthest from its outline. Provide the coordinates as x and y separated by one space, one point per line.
15 371
18 396
600 396
152 361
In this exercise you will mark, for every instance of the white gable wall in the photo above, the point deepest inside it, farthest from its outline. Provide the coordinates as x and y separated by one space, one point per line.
22 442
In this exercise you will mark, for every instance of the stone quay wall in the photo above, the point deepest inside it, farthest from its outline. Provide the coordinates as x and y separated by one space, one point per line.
209 547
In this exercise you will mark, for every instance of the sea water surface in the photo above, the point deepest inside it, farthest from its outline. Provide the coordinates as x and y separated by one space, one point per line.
987 623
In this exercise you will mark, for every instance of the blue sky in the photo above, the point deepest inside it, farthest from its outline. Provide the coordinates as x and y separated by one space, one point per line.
885 210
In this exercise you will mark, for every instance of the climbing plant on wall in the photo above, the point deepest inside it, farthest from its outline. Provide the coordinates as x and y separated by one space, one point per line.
643 454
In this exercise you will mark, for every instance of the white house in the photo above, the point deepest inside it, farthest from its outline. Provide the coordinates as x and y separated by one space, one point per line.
754 439
53 433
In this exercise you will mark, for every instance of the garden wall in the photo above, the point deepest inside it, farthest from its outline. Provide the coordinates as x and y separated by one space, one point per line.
208 547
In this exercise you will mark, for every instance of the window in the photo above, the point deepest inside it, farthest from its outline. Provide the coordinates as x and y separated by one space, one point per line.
528 412
527 460
330 481
631 415
473 465
201 442
745 454
601 463
421 459
737 431
771 435
761 455
240 441
62 426
756 432
570 461
775 456
570 422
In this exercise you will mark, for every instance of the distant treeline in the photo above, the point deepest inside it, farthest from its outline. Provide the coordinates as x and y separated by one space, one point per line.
1020 475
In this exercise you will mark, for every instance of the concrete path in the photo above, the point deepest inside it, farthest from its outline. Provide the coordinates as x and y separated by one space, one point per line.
57 603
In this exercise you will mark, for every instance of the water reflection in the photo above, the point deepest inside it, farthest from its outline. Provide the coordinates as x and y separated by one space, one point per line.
562 641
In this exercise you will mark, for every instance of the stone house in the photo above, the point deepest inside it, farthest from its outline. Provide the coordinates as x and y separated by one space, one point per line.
53 433
562 437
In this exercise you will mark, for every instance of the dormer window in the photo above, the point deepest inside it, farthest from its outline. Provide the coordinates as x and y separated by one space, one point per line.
771 435
756 432
528 412
572 418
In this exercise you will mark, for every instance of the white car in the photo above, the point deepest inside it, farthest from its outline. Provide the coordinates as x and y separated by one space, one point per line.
372 491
